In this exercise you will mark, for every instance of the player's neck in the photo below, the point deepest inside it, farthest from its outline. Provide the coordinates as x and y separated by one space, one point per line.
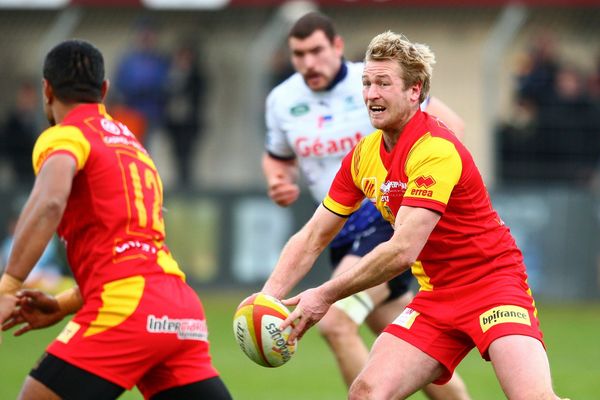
392 134
60 110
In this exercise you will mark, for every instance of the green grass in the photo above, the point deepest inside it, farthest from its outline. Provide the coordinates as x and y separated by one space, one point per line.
571 334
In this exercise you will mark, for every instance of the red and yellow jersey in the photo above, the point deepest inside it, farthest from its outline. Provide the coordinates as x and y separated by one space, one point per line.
430 168
113 224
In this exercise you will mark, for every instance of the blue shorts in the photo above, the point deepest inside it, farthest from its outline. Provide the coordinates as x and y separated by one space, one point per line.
377 232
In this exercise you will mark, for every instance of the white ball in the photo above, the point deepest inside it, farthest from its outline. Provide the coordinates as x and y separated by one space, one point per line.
256 330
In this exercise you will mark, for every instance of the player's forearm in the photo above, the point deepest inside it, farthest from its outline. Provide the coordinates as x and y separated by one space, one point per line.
385 262
275 170
35 228
296 259
69 301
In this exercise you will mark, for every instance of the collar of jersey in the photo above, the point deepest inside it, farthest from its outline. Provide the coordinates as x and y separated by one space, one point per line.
341 74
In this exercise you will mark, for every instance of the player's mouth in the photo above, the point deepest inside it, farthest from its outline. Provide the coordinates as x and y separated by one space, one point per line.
376 109
313 79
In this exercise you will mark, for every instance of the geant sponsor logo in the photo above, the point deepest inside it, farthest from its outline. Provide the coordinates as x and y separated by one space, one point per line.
305 147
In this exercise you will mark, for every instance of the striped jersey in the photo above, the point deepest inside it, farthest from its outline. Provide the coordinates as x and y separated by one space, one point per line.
113 224
429 168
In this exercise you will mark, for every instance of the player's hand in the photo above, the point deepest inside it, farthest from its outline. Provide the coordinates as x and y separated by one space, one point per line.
36 310
282 191
311 306
8 304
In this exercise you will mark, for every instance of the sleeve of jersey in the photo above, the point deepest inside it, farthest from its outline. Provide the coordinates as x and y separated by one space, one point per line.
276 143
433 169
61 140
344 196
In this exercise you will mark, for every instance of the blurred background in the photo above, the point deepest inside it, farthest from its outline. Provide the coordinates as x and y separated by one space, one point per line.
190 77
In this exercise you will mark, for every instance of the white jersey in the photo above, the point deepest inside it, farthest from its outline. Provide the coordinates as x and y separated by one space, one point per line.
317 128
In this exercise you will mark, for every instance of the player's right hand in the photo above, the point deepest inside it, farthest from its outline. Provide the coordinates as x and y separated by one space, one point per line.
283 192
35 310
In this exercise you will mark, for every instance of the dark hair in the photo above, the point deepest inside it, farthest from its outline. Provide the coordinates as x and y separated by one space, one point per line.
75 71
311 22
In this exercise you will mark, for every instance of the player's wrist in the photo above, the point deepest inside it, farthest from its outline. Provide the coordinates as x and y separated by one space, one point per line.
9 284
69 301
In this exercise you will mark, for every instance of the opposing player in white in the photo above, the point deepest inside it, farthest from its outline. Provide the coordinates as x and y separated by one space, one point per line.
314 118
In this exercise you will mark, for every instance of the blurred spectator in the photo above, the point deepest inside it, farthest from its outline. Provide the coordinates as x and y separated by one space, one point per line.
184 111
19 131
568 138
132 118
141 75
554 132
537 72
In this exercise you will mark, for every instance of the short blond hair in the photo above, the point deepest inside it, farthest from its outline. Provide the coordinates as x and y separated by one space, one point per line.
416 60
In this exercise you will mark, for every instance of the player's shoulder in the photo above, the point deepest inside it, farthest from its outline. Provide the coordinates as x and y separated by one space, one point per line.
67 131
435 127
369 143
292 87
355 67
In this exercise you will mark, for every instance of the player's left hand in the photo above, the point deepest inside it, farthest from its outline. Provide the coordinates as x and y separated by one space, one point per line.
311 306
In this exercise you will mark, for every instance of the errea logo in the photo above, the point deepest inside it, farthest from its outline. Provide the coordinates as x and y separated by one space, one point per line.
425 181
423 184
503 315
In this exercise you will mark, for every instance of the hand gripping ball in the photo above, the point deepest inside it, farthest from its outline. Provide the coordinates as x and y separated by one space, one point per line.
256 330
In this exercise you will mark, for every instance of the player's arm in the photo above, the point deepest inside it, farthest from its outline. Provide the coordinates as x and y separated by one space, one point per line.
387 260
301 251
40 216
281 176
439 109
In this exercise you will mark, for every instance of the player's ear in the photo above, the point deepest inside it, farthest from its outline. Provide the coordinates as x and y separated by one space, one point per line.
47 92
104 88
338 44
415 91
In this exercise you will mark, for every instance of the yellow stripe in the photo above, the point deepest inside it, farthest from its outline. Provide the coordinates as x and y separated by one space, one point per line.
119 300
267 301
168 264
419 273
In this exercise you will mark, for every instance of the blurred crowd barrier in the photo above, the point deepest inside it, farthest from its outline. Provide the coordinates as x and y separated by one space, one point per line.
221 225
225 239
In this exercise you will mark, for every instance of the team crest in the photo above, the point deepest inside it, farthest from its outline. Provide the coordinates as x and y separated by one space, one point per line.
369 186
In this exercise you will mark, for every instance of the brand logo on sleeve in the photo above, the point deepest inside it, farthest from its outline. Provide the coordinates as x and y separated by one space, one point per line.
425 181
503 315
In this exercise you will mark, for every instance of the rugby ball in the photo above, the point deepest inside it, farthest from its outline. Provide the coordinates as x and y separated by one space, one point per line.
256 330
